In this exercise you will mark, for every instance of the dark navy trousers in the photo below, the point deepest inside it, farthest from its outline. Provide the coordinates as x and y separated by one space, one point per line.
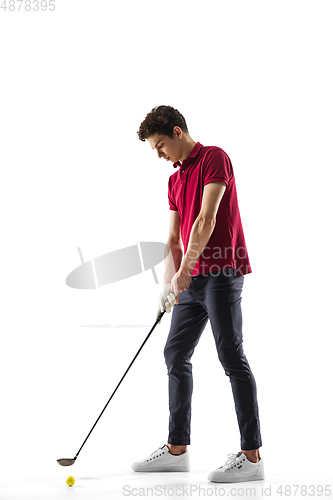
217 298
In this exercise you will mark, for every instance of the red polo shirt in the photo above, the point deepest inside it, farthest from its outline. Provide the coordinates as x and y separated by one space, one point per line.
226 247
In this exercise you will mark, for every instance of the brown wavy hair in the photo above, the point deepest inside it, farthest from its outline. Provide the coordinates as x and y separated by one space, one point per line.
161 120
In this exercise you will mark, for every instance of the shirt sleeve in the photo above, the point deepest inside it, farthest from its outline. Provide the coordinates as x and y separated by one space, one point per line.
217 167
172 204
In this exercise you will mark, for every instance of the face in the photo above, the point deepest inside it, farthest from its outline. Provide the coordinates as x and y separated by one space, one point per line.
169 148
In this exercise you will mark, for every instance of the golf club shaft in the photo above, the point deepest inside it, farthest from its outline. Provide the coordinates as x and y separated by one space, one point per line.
158 319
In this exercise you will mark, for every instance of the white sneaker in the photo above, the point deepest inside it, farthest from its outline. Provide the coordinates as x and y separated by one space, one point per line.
237 469
161 460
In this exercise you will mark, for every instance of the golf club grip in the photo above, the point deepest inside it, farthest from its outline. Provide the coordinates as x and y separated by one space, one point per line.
159 317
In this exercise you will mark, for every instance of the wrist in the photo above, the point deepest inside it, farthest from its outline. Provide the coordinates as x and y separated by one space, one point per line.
186 268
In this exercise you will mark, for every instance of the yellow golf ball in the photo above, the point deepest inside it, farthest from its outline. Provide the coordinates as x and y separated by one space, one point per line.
70 480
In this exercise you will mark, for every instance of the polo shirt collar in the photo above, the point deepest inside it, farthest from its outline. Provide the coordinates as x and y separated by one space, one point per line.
192 155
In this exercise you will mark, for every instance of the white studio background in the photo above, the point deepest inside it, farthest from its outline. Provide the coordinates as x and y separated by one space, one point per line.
254 78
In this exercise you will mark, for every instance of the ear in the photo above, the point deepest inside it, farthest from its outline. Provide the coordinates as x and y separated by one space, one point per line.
178 133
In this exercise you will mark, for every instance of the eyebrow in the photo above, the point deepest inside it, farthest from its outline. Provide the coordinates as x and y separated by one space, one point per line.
157 143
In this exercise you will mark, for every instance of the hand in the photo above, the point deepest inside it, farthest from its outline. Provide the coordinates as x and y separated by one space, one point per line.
166 300
180 282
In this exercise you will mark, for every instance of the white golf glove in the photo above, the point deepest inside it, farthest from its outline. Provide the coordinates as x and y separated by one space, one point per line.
166 300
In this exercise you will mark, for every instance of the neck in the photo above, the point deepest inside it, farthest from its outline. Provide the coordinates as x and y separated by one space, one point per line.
188 146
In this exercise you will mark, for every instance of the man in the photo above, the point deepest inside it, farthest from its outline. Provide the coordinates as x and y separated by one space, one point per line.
205 283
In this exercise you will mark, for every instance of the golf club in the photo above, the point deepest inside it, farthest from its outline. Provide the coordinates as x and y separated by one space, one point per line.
70 461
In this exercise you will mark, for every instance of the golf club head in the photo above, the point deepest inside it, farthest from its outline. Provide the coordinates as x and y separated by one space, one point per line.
65 462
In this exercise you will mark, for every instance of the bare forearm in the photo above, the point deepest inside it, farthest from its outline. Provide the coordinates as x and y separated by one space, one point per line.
199 237
172 260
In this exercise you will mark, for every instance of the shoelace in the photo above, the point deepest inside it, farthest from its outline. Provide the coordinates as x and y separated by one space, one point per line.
155 454
233 459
